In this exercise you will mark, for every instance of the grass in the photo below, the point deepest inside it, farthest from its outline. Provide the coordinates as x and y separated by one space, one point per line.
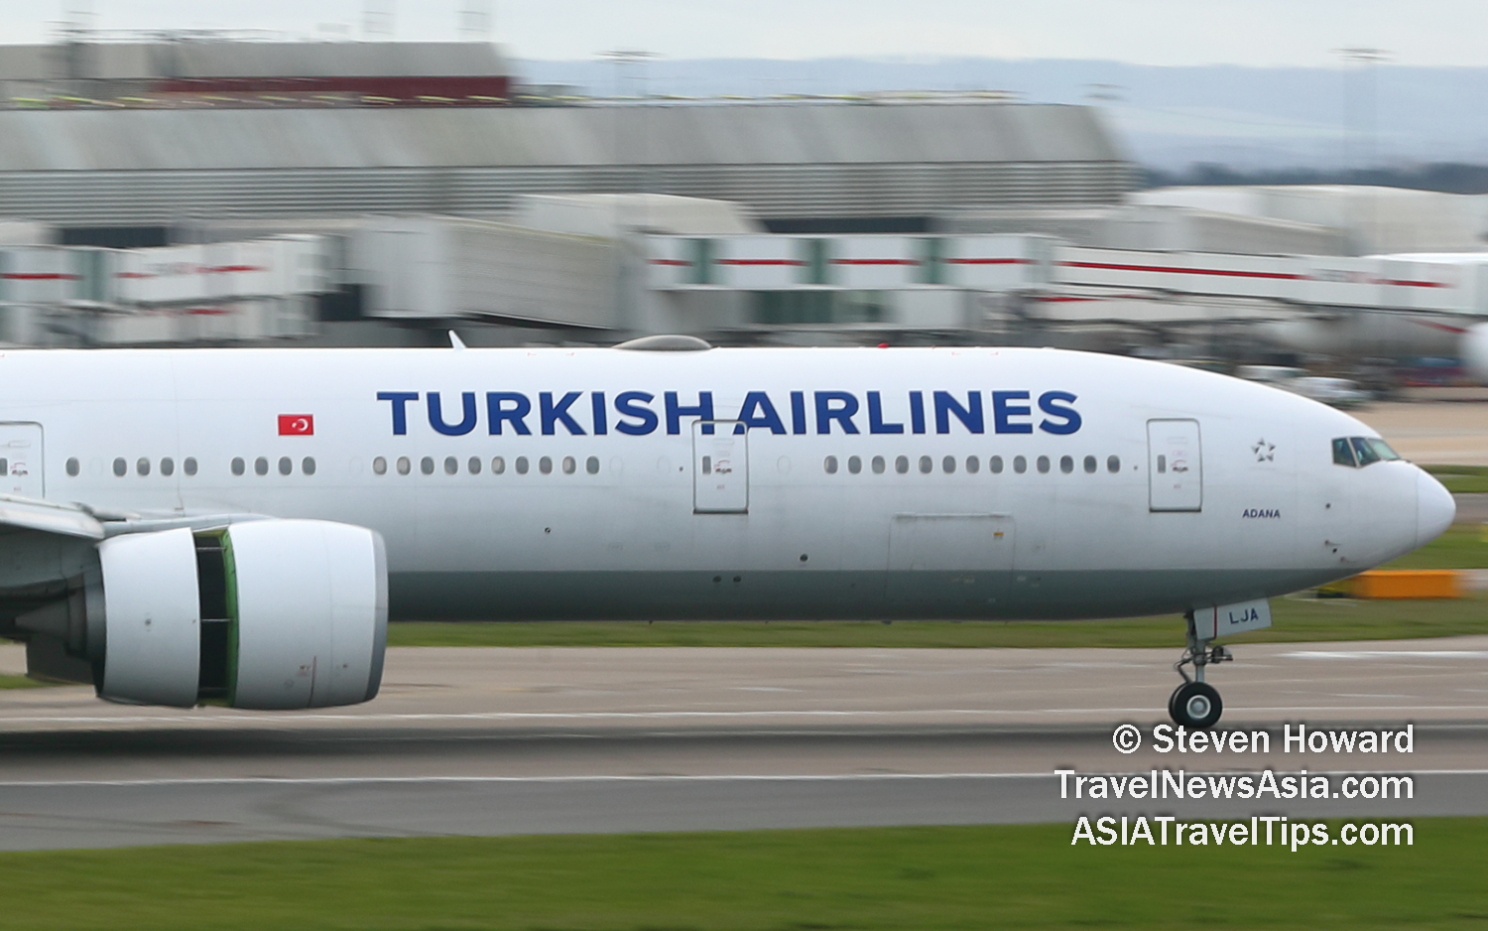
1461 479
1463 546
20 682
925 879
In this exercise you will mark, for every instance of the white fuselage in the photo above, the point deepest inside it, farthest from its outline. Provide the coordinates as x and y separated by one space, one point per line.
554 483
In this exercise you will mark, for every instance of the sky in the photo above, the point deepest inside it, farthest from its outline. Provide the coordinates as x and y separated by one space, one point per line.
1149 32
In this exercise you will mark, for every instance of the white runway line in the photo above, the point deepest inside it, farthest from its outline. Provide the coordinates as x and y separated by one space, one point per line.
1375 654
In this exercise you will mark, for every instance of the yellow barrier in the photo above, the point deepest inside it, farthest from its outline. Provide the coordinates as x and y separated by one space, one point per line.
1407 583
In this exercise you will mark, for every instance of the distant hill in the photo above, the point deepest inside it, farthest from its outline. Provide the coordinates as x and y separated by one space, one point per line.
1170 119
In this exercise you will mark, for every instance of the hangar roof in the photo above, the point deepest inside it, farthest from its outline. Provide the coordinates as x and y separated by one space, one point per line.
759 135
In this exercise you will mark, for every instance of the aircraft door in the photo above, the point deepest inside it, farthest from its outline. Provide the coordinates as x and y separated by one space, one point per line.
720 467
1175 468
20 460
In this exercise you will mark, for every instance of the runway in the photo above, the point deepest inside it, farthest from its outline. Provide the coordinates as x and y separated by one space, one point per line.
534 740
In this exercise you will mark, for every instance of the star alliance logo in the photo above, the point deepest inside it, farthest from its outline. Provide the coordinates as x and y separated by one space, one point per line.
1264 452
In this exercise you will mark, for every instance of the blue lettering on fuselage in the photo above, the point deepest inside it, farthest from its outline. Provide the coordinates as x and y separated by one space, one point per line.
823 413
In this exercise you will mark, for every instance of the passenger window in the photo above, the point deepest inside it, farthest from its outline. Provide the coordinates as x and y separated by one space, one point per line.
1066 464
167 466
521 465
1020 464
1365 452
1343 453
1043 465
901 464
569 466
238 466
426 465
474 465
926 465
189 466
879 465
854 464
995 465
948 465
591 465
1162 464
379 466
545 465
142 466
307 465
972 465
451 465
261 466
404 466
286 465
5 466
72 467
1090 465
830 464
498 465
1113 464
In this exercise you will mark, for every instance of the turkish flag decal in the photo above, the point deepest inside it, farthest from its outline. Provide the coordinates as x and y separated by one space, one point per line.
296 424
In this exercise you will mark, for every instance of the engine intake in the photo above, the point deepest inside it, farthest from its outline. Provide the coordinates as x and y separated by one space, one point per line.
271 615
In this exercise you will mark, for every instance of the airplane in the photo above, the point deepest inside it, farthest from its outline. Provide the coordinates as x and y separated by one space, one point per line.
236 526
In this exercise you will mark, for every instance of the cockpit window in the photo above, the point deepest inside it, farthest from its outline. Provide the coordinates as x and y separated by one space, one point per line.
1364 451
1343 453
1382 449
1356 452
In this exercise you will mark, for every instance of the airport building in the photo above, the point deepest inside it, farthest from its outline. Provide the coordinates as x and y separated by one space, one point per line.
375 193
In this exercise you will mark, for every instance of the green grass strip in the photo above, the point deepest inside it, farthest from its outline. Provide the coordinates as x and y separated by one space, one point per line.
924 879
20 682
1463 546
1461 479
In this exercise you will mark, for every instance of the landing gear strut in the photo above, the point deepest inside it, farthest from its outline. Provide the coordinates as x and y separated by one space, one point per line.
1196 704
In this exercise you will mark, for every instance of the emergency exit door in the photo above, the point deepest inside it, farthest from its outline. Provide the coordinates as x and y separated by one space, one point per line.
20 460
1175 468
720 467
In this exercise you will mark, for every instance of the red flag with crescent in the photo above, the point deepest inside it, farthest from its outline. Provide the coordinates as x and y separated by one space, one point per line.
296 424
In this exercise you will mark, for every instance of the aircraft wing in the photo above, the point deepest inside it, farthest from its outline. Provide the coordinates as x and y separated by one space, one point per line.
80 520
71 520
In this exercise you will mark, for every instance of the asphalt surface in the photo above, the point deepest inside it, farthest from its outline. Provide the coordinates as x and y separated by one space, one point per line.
504 741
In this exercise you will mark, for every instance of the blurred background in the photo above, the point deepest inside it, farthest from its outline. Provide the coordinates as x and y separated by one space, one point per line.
1296 196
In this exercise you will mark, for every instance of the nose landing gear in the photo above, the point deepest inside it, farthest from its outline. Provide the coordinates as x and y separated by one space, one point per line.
1196 704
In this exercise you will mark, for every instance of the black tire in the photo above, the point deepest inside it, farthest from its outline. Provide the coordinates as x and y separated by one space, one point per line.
1195 705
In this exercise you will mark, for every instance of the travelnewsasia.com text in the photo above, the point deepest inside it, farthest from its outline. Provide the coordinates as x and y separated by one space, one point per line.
1266 784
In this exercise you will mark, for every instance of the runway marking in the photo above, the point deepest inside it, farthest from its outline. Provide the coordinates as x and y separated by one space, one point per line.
1106 715
1375 654
418 780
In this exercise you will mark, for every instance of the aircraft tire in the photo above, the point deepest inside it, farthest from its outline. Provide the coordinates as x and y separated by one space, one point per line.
1195 705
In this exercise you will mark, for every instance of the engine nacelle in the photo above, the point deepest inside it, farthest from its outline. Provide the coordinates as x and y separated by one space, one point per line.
273 614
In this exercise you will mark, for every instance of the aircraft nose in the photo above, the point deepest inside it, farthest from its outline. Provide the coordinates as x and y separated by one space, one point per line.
1435 508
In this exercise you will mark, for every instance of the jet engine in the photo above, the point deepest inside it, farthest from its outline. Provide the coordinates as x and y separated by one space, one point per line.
270 615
